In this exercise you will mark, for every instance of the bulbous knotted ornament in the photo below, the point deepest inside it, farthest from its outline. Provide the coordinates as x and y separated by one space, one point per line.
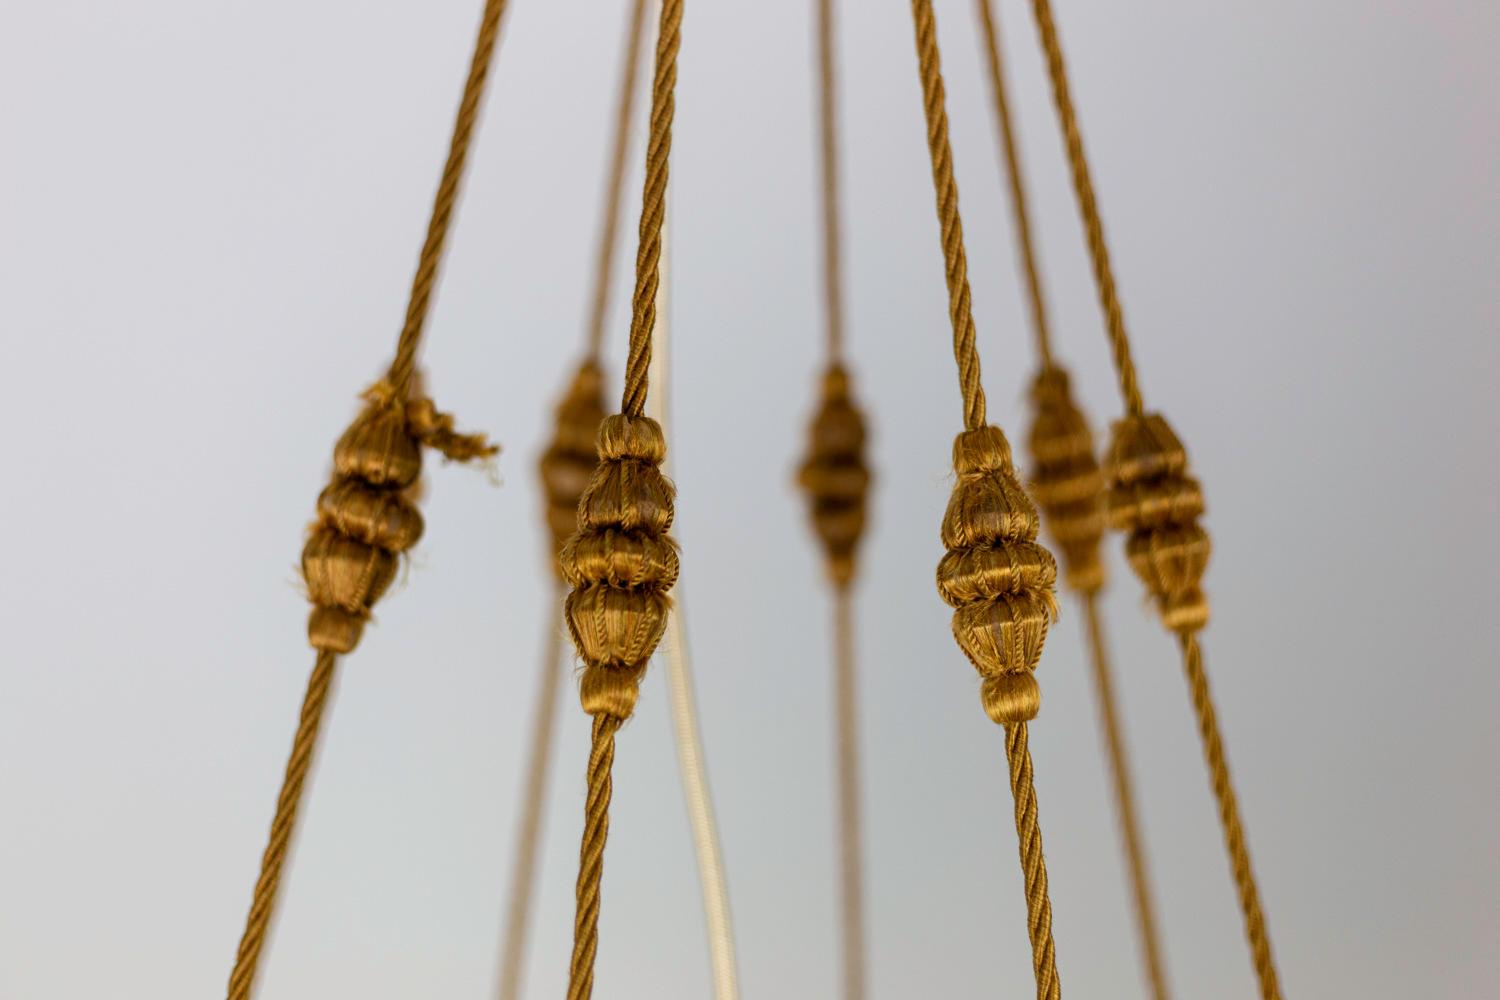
621 562
997 578
1066 479
366 515
570 459
1157 504
835 476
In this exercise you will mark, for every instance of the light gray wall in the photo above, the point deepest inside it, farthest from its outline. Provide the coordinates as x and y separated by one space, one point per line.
208 215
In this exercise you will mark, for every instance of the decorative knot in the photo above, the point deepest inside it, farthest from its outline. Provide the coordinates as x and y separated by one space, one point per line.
367 516
569 460
1157 504
621 563
997 578
835 476
1066 479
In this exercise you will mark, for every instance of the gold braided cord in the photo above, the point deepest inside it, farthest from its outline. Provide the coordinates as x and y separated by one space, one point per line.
604 265
833 292
1033 864
446 199
1229 819
1088 207
956 271
1109 724
591 857
539 755
263 902
851 850
1018 202
653 208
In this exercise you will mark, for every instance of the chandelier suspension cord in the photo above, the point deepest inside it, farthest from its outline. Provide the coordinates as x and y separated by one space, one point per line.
366 519
1157 504
1070 491
1002 608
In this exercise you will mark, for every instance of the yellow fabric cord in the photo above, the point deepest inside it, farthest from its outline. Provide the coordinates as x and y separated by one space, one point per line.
538 763
996 577
1033 864
247 960
851 851
945 188
404 364
836 479
367 516
1125 810
622 562
1088 206
591 857
1229 819
1069 488
1157 504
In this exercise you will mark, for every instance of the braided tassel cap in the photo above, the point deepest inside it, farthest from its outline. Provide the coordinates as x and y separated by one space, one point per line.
1157 504
1066 479
366 515
835 476
996 577
621 563
569 461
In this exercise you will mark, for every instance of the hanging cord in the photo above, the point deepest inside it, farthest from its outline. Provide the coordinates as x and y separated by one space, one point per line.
1020 212
604 265
1070 490
851 848
653 207
1157 505
1229 816
691 764
285 821
1119 770
539 759
404 364
1153 500
836 480
565 468
996 577
367 517
956 271
1088 207
622 563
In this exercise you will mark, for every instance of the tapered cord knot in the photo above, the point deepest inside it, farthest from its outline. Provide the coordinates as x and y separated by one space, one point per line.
573 453
997 578
834 474
1066 479
621 563
1157 504
367 515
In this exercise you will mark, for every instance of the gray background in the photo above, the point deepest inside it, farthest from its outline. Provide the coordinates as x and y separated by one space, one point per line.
209 215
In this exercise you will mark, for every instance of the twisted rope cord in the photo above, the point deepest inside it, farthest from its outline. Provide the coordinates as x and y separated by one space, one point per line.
1033 864
1140 884
539 756
850 839
833 292
263 902
956 269
604 266
591 857
653 208
446 199
1088 207
1229 819
1018 201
